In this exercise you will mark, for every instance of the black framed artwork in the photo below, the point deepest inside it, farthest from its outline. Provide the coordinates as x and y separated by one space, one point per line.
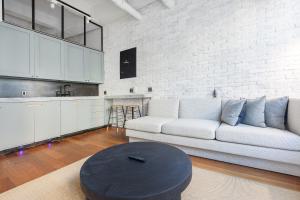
128 63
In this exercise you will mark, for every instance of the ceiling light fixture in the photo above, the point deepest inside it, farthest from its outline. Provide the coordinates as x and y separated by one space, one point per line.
53 3
88 19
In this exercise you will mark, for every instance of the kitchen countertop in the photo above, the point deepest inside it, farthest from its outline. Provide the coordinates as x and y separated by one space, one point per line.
35 99
128 96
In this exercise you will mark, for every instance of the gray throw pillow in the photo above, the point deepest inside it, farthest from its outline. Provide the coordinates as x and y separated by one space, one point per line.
255 112
231 111
275 112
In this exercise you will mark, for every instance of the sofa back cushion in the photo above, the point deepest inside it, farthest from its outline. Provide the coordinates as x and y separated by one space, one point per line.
197 108
255 112
294 116
167 108
275 112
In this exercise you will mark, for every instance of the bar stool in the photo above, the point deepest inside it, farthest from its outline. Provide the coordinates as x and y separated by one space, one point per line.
116 116
132 110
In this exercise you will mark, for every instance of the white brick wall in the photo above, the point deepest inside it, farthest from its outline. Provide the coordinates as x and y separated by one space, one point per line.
244 48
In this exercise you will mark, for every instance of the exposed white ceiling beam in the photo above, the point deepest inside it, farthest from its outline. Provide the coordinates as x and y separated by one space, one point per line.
128 8
169 3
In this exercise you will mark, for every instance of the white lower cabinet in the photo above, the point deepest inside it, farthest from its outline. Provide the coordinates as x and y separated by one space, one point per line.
24 123
97 112
84 114
68 117
78 115
17 125
47 120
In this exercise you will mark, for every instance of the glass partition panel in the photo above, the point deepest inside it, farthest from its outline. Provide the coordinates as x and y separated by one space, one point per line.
48 17
93 36
74 26
18 12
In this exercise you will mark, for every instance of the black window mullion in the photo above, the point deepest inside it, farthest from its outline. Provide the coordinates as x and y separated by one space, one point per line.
84 30
33 14
62 22
3 18
101 38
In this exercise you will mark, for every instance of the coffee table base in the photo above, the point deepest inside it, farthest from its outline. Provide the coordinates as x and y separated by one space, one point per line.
172 198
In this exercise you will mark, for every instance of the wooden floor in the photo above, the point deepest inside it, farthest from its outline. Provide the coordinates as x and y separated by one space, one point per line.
18 168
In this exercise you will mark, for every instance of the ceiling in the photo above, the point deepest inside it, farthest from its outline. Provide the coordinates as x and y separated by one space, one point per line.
47 19
105 11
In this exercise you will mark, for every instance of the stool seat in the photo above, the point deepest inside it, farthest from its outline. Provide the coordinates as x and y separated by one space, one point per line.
117 106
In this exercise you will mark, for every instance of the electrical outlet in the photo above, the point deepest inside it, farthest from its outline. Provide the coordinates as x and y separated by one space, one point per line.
24 93
149 89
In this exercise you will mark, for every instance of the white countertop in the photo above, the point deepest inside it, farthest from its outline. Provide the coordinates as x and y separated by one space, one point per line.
128 96
34 99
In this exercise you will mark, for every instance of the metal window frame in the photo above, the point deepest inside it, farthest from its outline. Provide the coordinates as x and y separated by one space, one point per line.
33 14
64 4
3 16
62 22
101 30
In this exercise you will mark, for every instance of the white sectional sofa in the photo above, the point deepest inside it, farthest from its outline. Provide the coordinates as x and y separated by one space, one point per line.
194 126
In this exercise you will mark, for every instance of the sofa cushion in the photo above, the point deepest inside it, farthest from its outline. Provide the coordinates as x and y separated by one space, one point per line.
255 112
275 112
196 108
167 108
147 124
294 116
231 111
256 136
195 128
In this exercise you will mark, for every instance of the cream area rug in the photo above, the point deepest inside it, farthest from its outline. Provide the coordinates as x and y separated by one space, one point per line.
63 184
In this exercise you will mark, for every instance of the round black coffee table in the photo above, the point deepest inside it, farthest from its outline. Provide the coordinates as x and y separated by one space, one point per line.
136 171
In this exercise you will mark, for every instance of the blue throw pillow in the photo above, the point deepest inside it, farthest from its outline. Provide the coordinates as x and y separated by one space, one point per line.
255 112
275 112
231 111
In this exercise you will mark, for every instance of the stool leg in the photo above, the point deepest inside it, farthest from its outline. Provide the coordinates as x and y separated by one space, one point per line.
139 111
110 112
126 111
124 114
132 112
117 110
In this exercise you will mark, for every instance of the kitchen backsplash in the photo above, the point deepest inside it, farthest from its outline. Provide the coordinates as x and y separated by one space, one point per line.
10 88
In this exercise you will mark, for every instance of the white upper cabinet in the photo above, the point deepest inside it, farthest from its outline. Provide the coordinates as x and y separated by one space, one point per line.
74 63
27 54
47 120
94 66
17 125
16 51
48 58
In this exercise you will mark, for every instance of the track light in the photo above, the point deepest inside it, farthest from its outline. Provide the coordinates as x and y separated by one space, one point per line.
53 3
88 19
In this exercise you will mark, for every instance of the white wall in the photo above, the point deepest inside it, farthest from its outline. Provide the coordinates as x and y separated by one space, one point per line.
244 48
